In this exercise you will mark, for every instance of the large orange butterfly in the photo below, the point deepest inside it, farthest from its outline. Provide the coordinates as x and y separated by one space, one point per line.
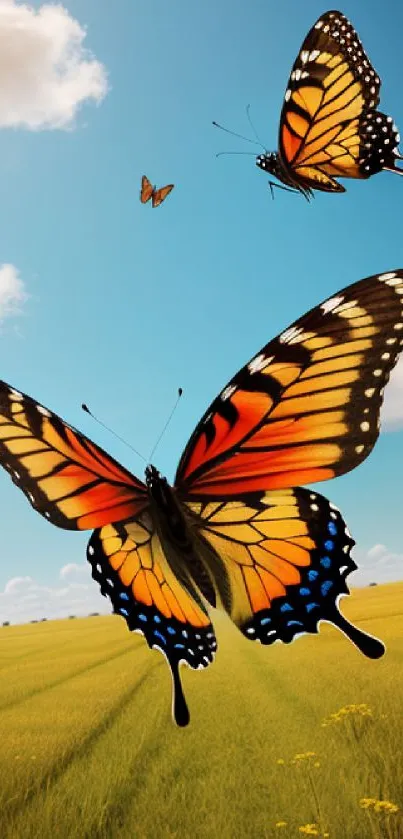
329 125
149 191
236 530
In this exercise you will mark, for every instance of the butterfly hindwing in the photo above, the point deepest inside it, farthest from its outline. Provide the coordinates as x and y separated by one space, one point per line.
329 126
306 408
68 479
286 556
129 563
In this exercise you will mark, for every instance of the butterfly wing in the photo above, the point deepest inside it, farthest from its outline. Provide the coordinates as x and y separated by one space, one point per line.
286 556
68 479
328 125
130 565
306 408
146 191
159 195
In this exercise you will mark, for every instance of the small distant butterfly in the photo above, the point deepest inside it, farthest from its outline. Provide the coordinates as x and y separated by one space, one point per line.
236 530
329 125
149 191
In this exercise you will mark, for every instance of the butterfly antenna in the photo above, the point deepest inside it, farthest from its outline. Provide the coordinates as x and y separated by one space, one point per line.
240 136
253 127
180 391
87 411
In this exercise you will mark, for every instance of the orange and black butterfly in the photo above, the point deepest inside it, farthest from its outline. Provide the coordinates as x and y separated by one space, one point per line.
329 125
149 191
236 529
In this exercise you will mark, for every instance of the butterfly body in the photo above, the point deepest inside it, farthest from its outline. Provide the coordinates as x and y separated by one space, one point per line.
237 529
329 125
271 163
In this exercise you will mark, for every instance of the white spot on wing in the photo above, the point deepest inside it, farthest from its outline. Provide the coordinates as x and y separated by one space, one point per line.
259 363
227 392
289 334
385 277
16 394
331 304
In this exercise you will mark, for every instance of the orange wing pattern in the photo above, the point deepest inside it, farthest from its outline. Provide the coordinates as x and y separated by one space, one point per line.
66 477
130 564
328 125
160 194
148 191
306 408
286 556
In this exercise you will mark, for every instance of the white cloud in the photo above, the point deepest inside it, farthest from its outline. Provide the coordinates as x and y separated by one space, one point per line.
12 291
23 599
74 572
45 71
377 565
392 408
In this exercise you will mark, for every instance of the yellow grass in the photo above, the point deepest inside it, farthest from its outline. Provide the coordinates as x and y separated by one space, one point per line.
88 749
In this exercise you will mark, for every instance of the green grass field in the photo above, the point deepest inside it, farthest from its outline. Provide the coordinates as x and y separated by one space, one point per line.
88 748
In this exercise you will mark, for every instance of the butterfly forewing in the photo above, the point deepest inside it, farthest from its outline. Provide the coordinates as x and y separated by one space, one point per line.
66 477
328 125
147 190
159 195
306 408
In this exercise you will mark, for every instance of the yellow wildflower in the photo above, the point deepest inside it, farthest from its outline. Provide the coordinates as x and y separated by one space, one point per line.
382 806
309 829
361 709
280 761
281 824
367 802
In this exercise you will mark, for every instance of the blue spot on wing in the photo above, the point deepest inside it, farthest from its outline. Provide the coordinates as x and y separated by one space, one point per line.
329 545
294 623
305 592
171 630
160 636
313 575
326 562
142 617
332 528
325 587
286 607
310 606
124 596
265 620
157 619
124 612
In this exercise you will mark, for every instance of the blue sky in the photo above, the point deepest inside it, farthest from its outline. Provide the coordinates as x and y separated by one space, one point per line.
127 303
